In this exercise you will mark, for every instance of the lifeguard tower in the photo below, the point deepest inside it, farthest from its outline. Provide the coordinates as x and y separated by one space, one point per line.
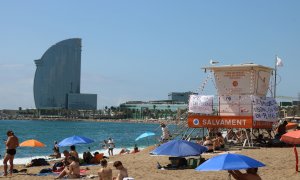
241 100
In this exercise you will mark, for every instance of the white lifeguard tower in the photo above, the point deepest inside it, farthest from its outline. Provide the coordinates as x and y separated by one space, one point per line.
241 97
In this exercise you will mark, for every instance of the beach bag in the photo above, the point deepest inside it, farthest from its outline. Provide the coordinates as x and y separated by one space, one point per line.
39 162
47 170
57 165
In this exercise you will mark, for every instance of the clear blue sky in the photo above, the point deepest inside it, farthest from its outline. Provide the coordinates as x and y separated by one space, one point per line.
142 50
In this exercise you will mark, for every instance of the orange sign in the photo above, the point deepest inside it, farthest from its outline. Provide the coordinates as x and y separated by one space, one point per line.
200 121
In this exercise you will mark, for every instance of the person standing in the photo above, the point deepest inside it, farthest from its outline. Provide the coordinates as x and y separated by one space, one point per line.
55 147
105 173
165 133
122 171
111 146
11 143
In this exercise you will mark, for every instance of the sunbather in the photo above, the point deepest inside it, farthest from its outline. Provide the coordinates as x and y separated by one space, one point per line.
105 173
122 171
72 171
209 144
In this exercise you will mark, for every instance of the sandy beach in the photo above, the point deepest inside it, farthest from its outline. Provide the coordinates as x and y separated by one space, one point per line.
280 164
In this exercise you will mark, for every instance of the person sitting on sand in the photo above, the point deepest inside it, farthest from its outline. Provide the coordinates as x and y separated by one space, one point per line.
135 149
122 171
281 130
87 157
105 173
73 152
65 160
56 154
72 171
219 142
97 158
56 147
251 174
209 144
124 151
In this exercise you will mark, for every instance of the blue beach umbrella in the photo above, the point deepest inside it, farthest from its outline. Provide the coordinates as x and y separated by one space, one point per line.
146 134
179 148
229 162
73 140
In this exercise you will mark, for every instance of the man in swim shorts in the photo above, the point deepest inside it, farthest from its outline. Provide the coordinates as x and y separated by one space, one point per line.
11 143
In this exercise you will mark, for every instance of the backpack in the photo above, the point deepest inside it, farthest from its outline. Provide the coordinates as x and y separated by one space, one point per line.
56 165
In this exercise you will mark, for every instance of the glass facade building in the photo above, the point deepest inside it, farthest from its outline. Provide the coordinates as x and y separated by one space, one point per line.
58 75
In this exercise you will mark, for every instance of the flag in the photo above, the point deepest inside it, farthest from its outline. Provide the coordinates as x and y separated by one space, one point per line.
279 62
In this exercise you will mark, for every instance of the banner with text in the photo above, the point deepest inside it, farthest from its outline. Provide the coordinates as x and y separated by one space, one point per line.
264 109
201 104
199 121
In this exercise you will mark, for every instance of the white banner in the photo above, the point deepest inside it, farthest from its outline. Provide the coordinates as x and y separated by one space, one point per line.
264 109
201 104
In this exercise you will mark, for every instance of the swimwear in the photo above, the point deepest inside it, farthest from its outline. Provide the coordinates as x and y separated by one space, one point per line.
11 152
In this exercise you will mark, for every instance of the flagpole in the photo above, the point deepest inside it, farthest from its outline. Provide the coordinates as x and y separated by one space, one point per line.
275 76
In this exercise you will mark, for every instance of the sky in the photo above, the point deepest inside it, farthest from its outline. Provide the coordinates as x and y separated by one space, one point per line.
143 50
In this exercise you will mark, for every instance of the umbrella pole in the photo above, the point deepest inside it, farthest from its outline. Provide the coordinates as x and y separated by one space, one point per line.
296 155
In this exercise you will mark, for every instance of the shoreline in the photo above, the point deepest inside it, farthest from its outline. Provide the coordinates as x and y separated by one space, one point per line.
146 121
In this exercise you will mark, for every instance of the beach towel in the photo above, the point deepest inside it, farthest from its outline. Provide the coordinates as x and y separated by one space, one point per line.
46 174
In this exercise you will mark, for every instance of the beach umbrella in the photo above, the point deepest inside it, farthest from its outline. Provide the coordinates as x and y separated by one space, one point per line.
74 140
292 137
32 143
145 135
179 148
229 161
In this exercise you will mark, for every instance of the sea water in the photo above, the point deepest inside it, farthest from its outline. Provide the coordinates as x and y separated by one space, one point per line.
46 131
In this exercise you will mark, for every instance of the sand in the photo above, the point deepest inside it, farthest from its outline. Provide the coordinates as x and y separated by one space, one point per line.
280 164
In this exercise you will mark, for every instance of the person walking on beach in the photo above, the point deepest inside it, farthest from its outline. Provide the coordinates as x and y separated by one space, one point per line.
122 171
105 173
104 144
165 133
251 174
11 143
111 146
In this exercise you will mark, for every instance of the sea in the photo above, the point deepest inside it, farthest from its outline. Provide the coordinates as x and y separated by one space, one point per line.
49 131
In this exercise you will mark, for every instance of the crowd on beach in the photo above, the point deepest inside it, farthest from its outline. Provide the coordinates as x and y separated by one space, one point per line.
69 165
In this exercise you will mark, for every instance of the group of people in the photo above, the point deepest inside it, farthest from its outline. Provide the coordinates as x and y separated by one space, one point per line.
71 168
105 172
212 144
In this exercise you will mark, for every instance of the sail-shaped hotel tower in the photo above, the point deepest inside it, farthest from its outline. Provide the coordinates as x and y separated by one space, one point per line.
57 78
